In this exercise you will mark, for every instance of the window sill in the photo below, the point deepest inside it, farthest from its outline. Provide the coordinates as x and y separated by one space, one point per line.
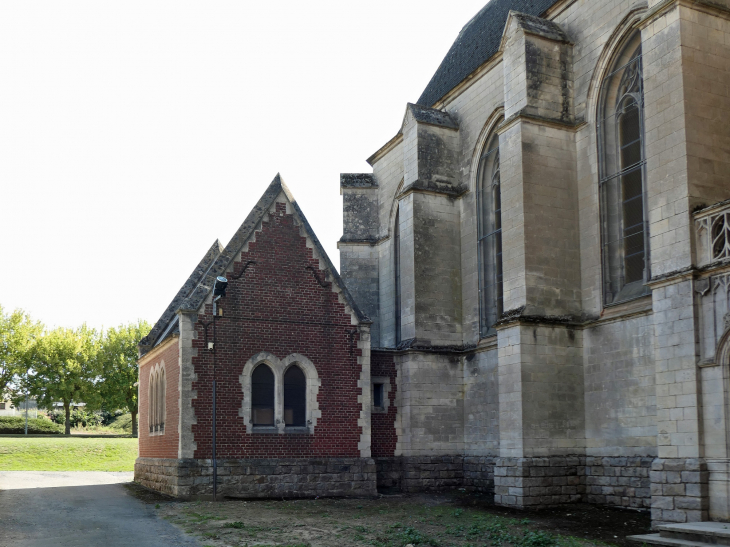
642 304
265 429
379 410
296 430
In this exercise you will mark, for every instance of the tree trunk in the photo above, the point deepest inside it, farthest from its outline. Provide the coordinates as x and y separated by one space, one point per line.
135 434
67 408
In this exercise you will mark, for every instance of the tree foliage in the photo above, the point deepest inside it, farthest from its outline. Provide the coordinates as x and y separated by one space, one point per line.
18 334
65 368
117 358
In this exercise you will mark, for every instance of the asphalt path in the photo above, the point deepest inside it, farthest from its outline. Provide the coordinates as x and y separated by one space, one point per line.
79 509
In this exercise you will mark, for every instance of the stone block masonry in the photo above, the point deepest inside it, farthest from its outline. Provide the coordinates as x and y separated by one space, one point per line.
619 482
679 490
259 478
525 482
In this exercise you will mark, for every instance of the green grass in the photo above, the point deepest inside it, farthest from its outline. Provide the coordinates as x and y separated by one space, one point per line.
67 454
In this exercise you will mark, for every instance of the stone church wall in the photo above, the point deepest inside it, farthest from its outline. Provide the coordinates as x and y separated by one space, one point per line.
259 478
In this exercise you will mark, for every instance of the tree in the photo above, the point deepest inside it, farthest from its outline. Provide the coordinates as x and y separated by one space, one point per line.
18 334
65 368
118 364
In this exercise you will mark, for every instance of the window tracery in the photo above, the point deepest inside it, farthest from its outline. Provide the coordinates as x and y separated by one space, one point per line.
624 229
489 234
156 391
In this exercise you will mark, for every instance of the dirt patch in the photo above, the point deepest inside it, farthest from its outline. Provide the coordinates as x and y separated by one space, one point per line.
396 521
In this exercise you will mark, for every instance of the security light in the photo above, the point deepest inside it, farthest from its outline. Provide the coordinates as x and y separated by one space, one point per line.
220 286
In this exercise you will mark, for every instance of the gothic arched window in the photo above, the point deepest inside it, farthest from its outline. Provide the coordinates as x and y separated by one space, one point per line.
156 391
489 233
295 397
396 268
262 396
624 228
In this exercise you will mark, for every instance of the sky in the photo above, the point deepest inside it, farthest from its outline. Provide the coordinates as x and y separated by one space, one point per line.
133 134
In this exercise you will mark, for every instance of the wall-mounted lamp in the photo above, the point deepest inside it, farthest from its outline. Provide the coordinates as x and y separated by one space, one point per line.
219 289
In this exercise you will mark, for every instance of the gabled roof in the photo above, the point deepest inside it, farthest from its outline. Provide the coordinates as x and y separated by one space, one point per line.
198 287
163 326
477 42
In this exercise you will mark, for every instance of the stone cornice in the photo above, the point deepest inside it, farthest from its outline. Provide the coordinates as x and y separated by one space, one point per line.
383 150
155 352
537 120
706 6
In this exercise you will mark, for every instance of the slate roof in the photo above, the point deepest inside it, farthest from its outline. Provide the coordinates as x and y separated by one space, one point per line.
164 326
477 42
216 261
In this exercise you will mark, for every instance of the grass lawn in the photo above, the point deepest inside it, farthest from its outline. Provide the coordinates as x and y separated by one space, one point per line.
34 453
420 520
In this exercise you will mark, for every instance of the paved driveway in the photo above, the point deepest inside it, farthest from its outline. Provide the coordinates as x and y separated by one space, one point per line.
79 509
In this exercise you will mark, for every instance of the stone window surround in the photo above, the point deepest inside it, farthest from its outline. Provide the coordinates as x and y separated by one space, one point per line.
158 371
385 380
279 367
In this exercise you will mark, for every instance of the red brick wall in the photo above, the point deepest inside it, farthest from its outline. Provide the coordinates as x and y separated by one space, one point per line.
166 445
383 424
279 307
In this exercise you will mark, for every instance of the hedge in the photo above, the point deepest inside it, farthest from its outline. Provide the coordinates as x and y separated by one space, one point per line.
36 426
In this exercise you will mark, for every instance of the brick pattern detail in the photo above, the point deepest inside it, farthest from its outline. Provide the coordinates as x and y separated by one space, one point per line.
679 490
619 482
259 478
384 436
278 306
165 445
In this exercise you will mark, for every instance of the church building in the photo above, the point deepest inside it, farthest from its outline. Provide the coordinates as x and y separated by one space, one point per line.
289 353
533 301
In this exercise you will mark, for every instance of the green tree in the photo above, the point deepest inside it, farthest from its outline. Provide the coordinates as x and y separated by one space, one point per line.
118 364
18 334
65 368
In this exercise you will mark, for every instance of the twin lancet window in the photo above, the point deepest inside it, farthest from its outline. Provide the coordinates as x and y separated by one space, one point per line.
156 400
263 386
624 230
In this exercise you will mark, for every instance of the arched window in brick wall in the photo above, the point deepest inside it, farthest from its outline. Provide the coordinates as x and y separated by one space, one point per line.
489 233
624 227
262 396
396 270
156 400
295 397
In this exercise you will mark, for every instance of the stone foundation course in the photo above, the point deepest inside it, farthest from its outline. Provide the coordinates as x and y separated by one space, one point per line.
259 478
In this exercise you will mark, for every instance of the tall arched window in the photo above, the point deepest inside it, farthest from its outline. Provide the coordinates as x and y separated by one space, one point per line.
489 233
152 401
156 391
161 401
295 397
262 396
396 267
624 228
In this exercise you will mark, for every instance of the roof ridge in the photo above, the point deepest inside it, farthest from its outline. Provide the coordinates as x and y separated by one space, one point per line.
193 280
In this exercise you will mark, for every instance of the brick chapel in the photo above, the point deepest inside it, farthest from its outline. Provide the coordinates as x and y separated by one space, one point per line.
534 291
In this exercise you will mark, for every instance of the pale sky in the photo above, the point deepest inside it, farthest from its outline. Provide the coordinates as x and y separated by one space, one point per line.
133 134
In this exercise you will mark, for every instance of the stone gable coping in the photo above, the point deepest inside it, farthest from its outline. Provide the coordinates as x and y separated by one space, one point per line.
358 180
226 258
163 327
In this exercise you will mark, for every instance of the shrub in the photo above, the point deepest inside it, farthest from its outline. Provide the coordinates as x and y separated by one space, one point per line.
79 417
122 423
36 426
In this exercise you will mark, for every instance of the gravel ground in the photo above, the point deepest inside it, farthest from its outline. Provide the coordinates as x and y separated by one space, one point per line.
79 509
